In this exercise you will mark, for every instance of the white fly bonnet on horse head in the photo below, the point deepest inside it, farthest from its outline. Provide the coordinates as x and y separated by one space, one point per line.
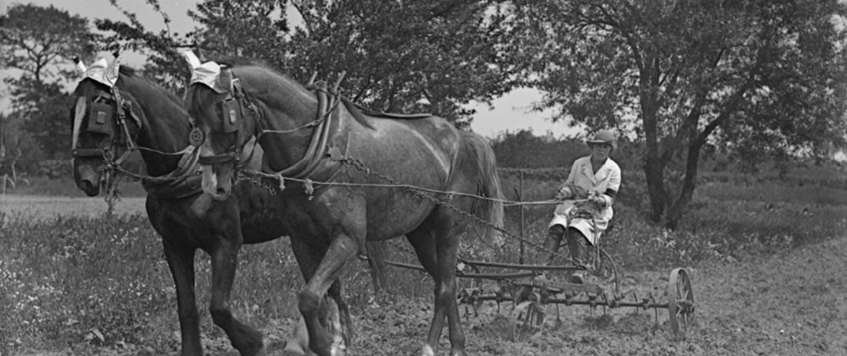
104 73
101 71
206 73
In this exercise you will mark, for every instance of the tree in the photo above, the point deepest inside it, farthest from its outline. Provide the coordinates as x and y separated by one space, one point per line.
399 56
522 149
409 56
255 28
38 40
165 65
49 125
754 75
41 42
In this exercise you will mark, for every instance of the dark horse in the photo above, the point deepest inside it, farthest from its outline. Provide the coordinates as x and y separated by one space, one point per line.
349 178
109 122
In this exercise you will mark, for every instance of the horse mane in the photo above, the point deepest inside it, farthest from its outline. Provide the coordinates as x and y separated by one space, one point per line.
132 73
238 61
255 63
246 62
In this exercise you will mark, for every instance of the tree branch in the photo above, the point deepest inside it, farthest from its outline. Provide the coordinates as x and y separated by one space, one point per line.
307 21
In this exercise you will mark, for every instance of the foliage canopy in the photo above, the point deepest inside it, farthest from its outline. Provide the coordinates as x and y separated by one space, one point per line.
754 76
41 42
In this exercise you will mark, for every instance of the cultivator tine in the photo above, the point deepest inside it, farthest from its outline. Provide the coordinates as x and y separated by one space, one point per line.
530 296
605 302
635 299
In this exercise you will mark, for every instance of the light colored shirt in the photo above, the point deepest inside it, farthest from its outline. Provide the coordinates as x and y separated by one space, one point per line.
608 177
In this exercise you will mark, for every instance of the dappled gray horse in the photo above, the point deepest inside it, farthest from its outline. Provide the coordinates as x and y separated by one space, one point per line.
347 178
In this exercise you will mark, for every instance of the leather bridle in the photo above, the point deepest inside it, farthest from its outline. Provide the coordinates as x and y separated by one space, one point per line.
100 116
232 108
102 119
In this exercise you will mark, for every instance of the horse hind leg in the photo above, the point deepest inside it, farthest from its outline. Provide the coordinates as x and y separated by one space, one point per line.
342 314
299 343
334 317
437 249
447 249
243 338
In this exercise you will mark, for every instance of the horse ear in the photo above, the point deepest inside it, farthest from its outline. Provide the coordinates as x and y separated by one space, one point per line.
79 65
225 78
191 58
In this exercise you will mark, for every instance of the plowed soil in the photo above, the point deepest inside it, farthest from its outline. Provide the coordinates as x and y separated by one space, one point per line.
789 303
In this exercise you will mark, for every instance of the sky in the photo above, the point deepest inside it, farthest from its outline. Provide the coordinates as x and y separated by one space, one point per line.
507 113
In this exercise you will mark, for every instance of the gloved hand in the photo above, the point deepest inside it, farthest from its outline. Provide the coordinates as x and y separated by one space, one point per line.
564 193
597 200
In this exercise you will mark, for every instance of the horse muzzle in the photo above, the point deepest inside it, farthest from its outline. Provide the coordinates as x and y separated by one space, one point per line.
87 179
217 183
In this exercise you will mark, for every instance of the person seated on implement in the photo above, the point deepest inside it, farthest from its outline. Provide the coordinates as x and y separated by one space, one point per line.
592 184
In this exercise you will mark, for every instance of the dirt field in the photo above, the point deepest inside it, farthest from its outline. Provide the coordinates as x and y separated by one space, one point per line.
790 303
40 207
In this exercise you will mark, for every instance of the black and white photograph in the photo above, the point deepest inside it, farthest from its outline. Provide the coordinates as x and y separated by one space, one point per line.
423 177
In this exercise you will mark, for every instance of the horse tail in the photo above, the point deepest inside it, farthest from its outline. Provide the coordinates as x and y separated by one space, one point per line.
376 252
488 186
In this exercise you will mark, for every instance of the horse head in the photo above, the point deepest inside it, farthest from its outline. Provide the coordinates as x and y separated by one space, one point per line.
228 117
110 120
103 130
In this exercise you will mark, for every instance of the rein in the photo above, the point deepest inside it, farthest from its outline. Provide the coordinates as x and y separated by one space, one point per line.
318 148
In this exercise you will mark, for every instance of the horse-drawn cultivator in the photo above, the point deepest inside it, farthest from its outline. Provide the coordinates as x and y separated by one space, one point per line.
531 294
531 291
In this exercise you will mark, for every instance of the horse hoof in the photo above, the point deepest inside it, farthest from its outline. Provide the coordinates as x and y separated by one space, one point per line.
427 351
261 352
293 349
338 349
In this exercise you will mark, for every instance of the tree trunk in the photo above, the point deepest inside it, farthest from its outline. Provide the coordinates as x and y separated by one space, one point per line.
679 207
654 172
654 166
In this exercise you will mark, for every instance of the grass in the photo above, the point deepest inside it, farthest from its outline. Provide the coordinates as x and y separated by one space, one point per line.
64 186
89 283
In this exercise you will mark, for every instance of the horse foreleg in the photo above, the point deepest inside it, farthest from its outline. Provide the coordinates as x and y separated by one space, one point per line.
344 312
342 250
299 343
181 264
245 339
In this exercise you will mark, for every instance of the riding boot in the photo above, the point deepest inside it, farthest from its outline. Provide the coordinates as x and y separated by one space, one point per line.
576 244
554 240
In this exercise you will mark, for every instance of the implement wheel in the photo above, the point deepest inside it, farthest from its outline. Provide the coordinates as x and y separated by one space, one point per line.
680 301
527 320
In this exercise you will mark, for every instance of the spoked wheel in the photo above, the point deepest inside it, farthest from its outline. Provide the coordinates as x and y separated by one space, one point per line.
604 268
680 301
527 320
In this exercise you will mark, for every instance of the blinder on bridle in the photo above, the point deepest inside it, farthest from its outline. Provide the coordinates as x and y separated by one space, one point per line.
113 128
232 112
